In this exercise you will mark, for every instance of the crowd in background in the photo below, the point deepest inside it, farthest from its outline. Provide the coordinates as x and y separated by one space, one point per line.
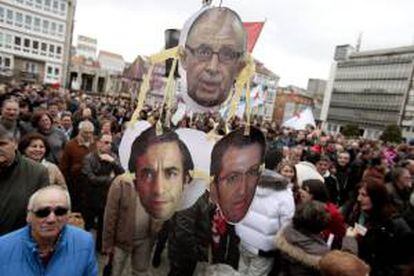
334 182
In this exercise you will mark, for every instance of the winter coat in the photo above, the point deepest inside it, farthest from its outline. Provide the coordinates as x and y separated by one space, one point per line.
55 175
120 214
387 246
272 208
97 176
74 254
300 253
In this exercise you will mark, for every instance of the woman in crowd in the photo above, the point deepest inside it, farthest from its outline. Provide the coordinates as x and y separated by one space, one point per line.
385 240
287 169
43 123
36 147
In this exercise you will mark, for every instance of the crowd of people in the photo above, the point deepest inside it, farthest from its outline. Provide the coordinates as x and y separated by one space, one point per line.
322 201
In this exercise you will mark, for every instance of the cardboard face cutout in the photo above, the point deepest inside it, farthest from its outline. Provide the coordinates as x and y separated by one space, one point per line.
214 45
171 169
236 167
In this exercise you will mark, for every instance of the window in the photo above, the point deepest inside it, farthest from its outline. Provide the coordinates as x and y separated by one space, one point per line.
17 40
28 22
55 6
38 4
35 44
43 46
29 3
49 70
56 71
62 7
26 42
61 29
45 26
7 62
53 28
8 42
1 14
47 5
51 48
9 17
37 24
58 50
19 19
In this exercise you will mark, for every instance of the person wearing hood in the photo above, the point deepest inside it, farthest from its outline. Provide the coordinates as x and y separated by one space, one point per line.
301 244
272 208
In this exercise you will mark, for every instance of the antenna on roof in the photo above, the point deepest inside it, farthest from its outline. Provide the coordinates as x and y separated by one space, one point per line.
359 42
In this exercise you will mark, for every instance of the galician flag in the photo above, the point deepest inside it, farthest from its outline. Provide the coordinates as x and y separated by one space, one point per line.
301 120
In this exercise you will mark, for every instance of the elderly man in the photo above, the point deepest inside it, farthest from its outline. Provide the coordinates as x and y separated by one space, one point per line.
47 246
19 178
72 159
215 46
99 169
10 119
162 165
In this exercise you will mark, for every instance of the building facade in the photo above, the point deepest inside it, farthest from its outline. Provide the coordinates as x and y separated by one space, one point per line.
290 101
87 47
372 89
35 40
316 89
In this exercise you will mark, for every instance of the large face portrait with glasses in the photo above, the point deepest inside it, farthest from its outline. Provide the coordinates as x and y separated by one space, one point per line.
237 163
213 55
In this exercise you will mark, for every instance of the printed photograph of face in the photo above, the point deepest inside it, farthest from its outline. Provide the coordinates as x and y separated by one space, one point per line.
236 167
213 56
162 166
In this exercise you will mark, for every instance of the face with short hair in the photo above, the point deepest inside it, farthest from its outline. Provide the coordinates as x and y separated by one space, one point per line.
86 132
106 128
209 81
105 143
8 149
66 122
288 172
343 159
404 180
160 178
48 227
233 190
322 166
10 111
53 110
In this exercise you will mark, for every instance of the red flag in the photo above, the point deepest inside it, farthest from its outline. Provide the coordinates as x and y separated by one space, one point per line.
253 30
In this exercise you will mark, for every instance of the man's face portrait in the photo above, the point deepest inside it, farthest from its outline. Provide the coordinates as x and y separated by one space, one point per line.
160 179
213 56
8 149
49 214
236 183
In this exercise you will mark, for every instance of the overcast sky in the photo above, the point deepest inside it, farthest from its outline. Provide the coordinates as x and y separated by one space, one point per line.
297 41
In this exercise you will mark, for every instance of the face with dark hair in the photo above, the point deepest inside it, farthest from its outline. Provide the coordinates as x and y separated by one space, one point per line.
364 200
234 188
212 57
160 178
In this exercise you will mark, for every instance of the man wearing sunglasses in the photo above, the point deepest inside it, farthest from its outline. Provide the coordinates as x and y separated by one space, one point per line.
214 48
99 168
47 245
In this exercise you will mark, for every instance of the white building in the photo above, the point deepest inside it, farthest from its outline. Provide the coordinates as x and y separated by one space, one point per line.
86 47
35 39
111 62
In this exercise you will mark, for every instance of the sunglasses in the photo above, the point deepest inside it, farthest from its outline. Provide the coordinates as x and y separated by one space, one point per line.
45 212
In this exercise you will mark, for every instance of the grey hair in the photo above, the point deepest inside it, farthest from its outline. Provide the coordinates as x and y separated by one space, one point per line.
10 100
35 195
86 123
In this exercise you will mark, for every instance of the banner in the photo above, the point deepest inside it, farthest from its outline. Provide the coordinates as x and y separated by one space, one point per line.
301 120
